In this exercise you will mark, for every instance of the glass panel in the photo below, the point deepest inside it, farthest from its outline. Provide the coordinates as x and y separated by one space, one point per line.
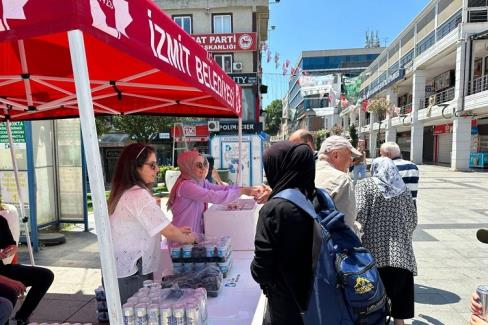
184 22
248 104
69 142
71 192
70 186
222 24
226 24
46 211
42 135
227 63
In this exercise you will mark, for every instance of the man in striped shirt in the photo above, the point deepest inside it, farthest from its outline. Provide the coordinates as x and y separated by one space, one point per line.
408 170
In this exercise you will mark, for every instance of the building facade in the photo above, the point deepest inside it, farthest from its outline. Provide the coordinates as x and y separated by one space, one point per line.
315 89
434 78
232 32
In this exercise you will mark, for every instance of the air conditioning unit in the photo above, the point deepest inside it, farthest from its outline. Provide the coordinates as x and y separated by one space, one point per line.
213 126
237 66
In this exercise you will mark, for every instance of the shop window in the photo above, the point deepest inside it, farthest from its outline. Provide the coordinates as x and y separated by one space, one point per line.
184 22
224 61
222 24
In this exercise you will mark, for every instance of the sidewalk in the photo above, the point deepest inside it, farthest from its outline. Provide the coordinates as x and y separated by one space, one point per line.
451 262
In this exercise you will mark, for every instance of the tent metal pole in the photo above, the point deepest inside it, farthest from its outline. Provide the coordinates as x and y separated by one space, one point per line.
19 191
239 139
94 167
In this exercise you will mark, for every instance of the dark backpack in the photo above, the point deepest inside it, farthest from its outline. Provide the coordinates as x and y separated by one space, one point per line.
347 288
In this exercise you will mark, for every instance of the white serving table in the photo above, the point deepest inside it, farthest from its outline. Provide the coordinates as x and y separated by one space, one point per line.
239 299
240 225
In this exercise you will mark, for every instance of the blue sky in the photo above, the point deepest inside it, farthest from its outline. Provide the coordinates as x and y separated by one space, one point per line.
326 24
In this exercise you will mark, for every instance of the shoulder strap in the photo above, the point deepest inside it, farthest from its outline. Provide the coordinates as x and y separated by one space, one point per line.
297 198
326 198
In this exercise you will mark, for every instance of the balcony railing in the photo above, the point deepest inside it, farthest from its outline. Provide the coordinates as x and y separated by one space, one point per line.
478 85
406 109
440 97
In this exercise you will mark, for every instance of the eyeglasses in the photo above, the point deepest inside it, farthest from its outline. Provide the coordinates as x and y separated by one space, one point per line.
201 165
153 165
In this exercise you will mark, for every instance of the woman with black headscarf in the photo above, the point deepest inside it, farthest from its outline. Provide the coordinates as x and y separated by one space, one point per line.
282 262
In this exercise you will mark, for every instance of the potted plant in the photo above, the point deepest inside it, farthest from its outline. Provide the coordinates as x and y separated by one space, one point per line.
379 106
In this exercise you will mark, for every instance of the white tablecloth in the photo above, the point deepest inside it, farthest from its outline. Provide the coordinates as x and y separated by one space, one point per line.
238 301
240 225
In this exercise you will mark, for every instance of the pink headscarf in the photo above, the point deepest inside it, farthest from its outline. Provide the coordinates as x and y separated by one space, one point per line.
186 161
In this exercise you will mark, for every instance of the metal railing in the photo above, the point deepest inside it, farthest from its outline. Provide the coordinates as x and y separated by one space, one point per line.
478 85
439 98
406 109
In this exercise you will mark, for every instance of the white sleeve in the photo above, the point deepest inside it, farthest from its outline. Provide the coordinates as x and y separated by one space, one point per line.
149 214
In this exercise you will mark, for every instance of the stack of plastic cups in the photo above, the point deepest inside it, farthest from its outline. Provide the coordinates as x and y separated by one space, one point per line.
201 297
153 314
179 314
141 314
165 314
128 313
192 312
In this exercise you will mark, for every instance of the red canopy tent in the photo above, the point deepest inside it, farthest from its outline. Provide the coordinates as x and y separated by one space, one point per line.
70 58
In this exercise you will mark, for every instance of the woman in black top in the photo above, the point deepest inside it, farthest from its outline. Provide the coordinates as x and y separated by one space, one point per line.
282 263
17 277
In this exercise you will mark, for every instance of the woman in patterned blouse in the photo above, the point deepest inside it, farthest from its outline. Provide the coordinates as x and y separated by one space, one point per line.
388 216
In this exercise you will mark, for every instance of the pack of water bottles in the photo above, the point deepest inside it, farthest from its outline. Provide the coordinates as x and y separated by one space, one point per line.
209 278
152 305
209 251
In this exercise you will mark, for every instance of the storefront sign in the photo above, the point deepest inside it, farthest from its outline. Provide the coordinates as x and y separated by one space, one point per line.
191 139
443 128
395 76
198 130
18 132
244 78
8 187
231 127
235 42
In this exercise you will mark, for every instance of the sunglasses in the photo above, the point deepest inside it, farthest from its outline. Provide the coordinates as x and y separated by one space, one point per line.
201 165
153 165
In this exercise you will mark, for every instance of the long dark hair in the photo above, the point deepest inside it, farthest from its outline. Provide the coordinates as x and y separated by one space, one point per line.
126 175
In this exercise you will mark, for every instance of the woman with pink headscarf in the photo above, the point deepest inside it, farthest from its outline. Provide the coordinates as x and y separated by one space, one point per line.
191 193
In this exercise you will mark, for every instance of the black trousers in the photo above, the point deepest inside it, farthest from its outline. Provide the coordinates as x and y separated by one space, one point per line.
38 278
281 310
399 288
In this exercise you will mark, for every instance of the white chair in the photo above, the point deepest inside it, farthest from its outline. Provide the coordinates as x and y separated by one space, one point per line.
9 212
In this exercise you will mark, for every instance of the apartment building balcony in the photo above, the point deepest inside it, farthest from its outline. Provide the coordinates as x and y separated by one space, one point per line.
477 97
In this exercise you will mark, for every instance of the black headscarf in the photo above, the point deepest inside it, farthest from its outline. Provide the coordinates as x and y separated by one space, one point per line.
290 165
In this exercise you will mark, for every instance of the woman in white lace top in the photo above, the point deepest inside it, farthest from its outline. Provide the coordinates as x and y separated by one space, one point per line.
388 217
136 220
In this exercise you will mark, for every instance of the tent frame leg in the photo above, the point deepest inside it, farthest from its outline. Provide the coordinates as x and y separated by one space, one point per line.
94 167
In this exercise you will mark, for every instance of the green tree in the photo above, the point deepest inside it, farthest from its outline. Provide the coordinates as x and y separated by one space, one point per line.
103 124
320 136
273 116
142 128
353 134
